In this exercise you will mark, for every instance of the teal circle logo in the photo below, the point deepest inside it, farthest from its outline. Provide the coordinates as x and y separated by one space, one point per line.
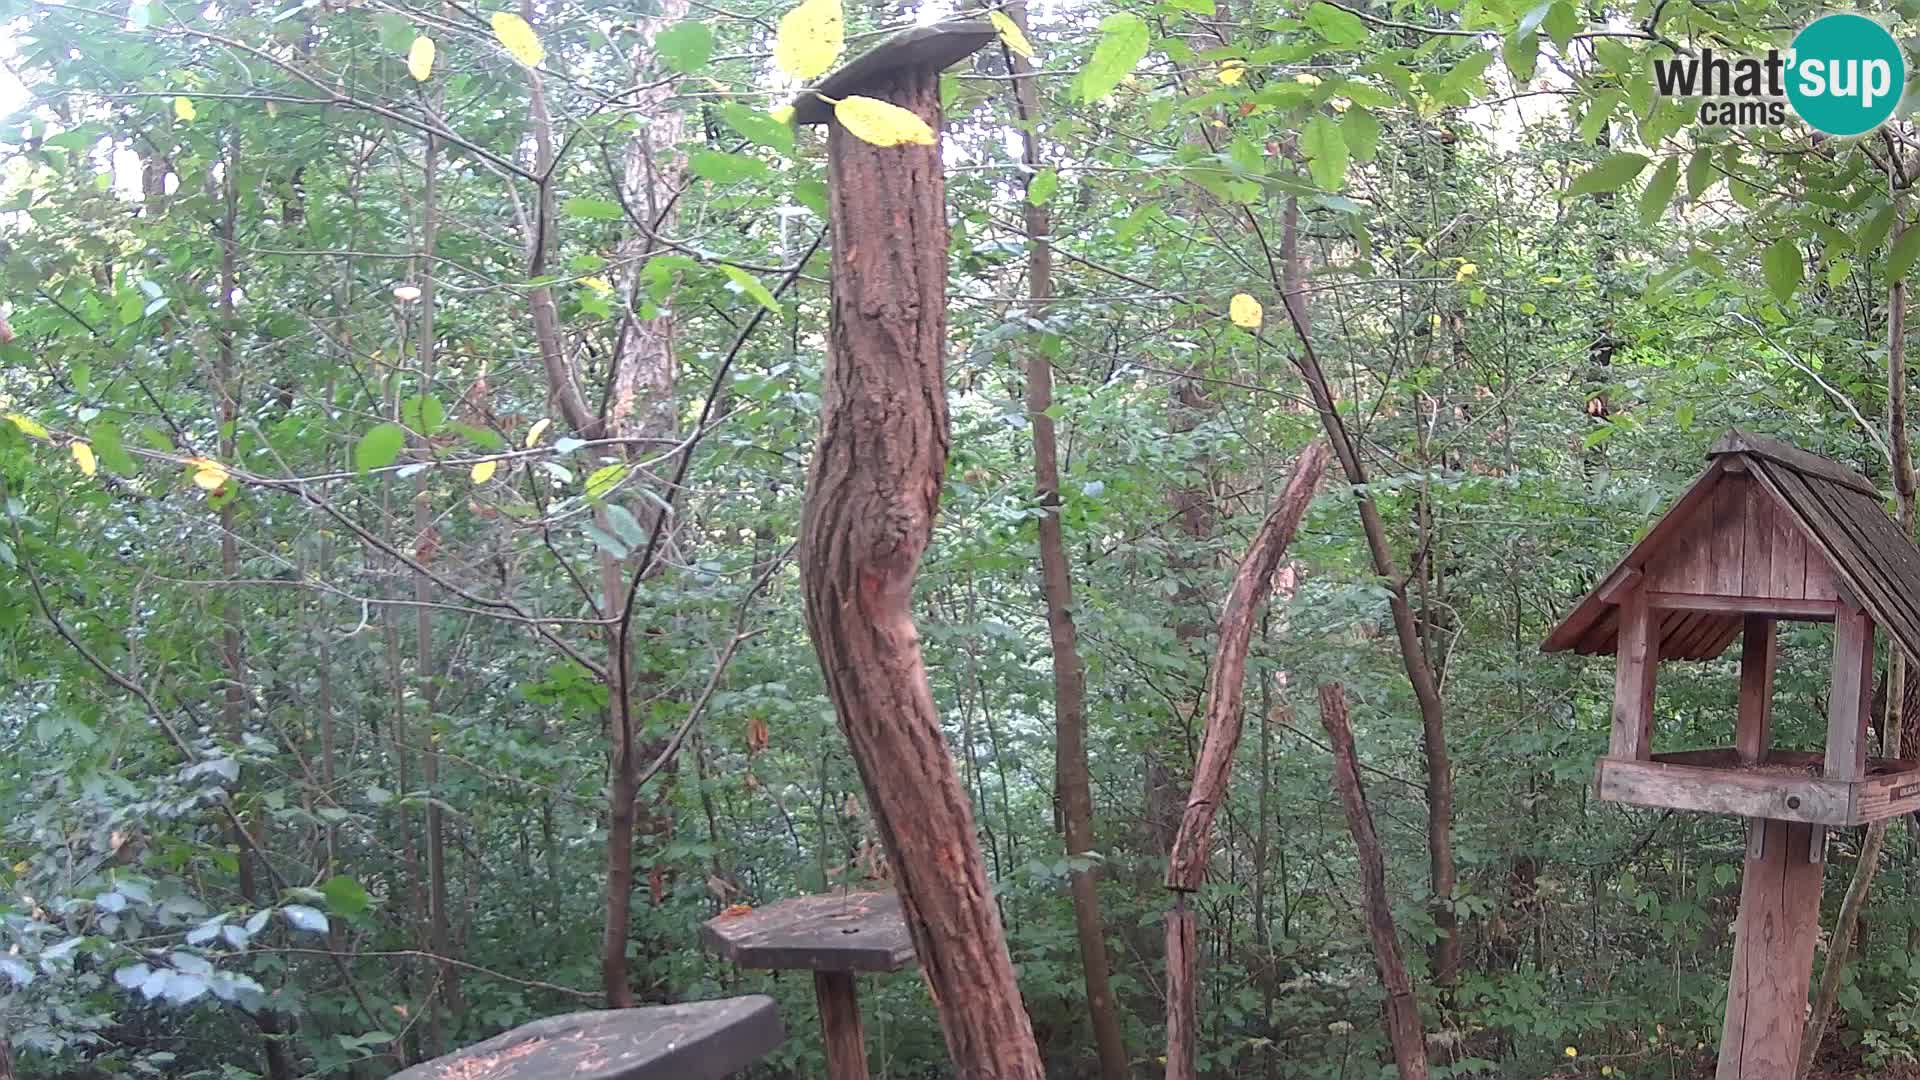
1846 75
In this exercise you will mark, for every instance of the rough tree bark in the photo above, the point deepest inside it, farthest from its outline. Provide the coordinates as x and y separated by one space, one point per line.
1226 693
872 491
1401 1015
1056 578
1426 688
1840 943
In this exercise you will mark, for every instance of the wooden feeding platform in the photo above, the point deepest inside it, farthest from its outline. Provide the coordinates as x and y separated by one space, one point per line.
1767 533
835 936
1785 785
700 1040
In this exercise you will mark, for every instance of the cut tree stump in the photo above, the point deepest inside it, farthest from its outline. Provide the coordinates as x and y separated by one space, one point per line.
834 936
700 1040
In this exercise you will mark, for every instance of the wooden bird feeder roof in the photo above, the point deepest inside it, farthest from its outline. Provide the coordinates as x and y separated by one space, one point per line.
928 48
1768 529
700 1040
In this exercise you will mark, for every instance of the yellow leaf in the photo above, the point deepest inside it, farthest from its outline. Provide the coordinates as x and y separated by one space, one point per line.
483 471
83 457
1246 312
183 108
518 38
539 428
597 284
1010 32
881 123
1466 271
29 425
782 113
810 38
420 59
1231 72
208 474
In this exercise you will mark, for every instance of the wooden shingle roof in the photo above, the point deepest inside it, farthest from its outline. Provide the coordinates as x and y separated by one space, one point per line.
1768 526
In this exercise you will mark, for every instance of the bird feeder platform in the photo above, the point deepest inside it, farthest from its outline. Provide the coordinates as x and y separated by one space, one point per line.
835 936
1786 785
700 1040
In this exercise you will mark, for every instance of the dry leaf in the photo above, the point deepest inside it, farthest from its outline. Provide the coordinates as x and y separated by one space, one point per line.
881 123
757 735
483 471
183 109
29 425
1231 72
83 457
420 59
208 474
810 38
1246 312
538 429
1010 33
518 38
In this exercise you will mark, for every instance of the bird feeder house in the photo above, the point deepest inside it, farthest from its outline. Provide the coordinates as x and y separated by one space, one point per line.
1768 533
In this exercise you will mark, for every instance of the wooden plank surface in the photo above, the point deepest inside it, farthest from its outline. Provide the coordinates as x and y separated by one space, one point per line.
1736 441
1788 797
700 1040
1781 608
853 931
1727 544
1849 695
840 1028
1773 942
1756 555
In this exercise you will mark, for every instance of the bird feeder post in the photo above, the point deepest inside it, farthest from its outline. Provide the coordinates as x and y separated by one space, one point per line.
873 490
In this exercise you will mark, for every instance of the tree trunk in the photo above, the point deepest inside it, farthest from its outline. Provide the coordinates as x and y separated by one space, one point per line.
872 491
1401 1016
1056 576
1426 689
1187 863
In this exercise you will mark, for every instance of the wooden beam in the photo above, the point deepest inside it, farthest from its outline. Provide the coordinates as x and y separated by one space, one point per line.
1753 730
840 1027
1849 697
1777 607
1773 941
922 49
1637 659
1803 798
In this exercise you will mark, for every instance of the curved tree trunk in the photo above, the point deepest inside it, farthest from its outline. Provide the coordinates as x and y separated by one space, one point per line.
872 492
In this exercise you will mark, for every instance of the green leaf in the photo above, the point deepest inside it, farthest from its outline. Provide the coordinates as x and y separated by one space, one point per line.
481 437
112 449
1699 172
593 209
1561 23
750 285
1874 232
1905 250
722 168
1123 42
606 543
1042 186
1783 267
379 447
423 413
1533 18
1521 53
1326 150
604 479
1458 84
1338 26
1361 129
345 896
1654 200
758 126
1609 175
685 46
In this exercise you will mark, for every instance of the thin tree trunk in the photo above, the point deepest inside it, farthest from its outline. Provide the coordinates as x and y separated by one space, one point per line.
1056 575
1187 863
872 492
1401 1015
1840 943
1426 689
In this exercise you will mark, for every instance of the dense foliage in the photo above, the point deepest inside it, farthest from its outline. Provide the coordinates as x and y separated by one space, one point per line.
302 624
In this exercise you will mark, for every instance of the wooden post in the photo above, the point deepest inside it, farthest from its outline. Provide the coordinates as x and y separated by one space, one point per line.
1753 731
1638 659
1850 698
840 1030
872 493
1773 943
